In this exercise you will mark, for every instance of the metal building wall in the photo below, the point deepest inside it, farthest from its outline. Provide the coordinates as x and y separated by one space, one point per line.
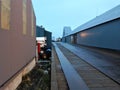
17 49
63 39
49 39
40 32
106 35
68 39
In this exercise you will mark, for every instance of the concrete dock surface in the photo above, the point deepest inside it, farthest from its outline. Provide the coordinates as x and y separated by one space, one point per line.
91 66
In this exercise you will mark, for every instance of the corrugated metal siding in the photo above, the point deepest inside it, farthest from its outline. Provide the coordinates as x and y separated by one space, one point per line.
16 49
104 36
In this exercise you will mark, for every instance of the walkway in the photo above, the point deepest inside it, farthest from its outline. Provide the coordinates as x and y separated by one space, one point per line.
92 77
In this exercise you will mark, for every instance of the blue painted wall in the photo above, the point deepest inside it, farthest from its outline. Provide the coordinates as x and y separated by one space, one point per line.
106 35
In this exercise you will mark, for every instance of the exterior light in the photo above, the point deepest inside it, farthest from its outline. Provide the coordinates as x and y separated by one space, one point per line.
83 34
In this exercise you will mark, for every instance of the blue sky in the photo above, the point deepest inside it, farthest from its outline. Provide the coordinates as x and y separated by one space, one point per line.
53 15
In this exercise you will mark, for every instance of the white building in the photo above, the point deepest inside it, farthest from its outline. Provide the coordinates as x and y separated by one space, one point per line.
66 30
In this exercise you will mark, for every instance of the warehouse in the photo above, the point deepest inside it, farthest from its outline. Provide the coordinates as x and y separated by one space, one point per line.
102 31
17 41
42 33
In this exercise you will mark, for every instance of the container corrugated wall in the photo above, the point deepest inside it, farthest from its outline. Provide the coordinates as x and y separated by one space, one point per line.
17 36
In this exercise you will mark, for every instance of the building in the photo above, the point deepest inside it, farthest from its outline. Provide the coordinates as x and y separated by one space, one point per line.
46 36
102 31
66 31
17 41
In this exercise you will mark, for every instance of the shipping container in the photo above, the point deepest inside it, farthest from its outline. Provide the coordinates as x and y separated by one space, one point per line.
17 37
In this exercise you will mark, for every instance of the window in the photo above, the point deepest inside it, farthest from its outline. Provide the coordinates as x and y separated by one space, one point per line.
5 14
24 17
32 22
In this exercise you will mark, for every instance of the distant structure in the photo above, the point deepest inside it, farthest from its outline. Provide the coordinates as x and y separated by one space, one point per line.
58 39
66 30
43 35
53 38
101 32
